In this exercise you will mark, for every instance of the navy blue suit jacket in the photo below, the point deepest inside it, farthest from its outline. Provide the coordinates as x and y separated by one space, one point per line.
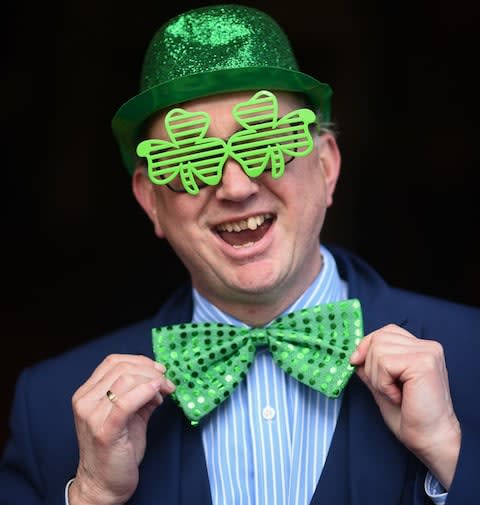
366 465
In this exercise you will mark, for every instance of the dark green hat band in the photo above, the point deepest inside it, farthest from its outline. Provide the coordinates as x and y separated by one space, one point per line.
208 51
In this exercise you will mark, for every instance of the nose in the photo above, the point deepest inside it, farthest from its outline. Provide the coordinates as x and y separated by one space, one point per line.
235 185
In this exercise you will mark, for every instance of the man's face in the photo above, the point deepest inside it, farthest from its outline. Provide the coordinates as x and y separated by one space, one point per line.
246 240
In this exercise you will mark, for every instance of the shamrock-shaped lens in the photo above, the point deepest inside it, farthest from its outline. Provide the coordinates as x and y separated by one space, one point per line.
268 142
189 160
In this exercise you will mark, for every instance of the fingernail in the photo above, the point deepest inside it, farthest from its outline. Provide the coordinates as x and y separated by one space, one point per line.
163 383
354 356
161 367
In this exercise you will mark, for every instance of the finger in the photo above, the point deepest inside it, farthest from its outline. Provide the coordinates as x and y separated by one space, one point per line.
385 353
396 371
115 359
146 411
391 333
393 392
116 368
122 378
110 418
141 399
386 350
111 361
126 383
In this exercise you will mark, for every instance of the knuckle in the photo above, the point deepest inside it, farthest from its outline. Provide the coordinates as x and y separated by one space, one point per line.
391 327
384 387
375 338
143 359
123 367
100 436
437 348
429 361
79 406
111 359
125 381
433 355
377 359
385 362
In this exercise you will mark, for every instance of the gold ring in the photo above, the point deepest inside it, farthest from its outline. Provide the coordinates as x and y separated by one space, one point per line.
112 396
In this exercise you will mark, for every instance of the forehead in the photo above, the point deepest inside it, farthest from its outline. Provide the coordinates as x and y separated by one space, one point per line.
220 107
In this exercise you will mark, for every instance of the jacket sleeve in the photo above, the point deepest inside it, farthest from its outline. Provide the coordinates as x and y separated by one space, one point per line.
464 489
22 478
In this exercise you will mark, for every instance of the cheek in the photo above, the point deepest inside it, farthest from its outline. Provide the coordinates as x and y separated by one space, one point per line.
308 191
310 202
174 208
178 216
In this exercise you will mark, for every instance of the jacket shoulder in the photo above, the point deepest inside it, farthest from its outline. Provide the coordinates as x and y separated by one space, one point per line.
76 364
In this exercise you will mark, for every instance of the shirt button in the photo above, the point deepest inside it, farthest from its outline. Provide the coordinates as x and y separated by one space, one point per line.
268 413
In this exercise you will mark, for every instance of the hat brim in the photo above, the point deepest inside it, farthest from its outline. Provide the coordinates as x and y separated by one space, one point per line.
129 118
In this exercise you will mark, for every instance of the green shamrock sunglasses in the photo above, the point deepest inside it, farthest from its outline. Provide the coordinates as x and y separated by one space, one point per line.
190 161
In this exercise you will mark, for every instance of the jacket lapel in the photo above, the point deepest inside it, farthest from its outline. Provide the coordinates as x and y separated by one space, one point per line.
173 470
194 484
357 470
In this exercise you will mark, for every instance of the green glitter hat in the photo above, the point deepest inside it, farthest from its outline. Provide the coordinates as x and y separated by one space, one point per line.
211 50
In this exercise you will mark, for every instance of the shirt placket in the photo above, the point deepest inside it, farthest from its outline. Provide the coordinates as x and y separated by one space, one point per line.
269 430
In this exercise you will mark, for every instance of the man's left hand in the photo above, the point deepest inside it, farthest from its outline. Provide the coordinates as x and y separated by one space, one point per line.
408 379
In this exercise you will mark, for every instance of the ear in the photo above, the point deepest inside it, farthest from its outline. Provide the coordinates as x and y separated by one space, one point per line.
145 194
330 160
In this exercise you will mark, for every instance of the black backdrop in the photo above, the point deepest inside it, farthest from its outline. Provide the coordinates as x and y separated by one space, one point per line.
80 258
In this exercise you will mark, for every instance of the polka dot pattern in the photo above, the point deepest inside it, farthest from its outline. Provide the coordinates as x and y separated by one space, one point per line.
206 361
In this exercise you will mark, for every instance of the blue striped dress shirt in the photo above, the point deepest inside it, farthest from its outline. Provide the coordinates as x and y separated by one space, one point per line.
268 442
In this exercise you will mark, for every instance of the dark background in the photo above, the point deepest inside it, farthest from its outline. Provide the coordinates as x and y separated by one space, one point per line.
79 256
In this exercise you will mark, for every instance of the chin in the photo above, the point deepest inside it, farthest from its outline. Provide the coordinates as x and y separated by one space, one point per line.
256 282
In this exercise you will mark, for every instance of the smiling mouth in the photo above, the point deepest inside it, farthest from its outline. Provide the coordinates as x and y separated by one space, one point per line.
246 232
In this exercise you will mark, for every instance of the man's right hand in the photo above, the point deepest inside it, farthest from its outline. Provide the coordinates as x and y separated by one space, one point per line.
112 434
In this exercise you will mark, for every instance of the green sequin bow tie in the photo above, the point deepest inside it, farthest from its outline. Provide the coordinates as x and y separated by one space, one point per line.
206 361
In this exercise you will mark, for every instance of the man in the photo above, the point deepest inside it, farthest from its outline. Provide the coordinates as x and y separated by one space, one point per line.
233 162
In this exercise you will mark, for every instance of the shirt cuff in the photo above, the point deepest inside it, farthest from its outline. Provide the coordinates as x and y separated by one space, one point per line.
66 491
435 491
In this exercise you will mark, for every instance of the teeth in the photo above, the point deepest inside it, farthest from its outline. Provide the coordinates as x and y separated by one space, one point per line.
240 246
252 223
